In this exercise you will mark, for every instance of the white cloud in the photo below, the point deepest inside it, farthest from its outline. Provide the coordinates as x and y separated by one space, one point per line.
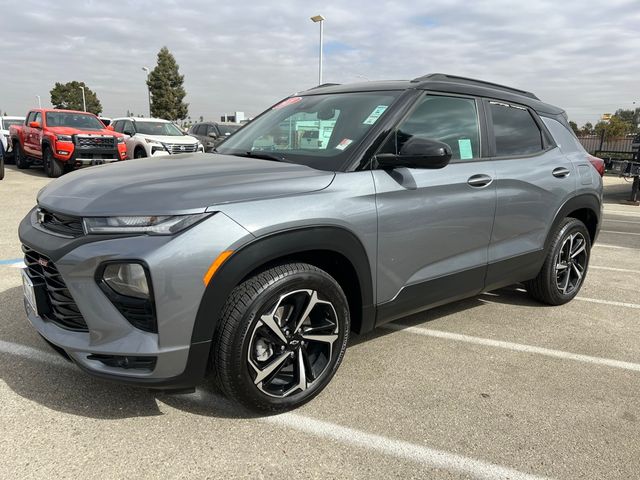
245 55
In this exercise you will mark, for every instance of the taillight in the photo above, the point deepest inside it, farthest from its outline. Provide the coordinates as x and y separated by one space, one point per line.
598 164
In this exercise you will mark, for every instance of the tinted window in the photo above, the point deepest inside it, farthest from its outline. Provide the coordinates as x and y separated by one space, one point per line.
81 121
515 130
127 127
38 118
451 120
30 118
116 126
211 129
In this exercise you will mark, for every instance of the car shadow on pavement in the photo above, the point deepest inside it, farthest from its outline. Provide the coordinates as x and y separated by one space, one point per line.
31 171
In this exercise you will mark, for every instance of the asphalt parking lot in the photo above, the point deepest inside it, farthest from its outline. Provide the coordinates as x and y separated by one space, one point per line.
495 386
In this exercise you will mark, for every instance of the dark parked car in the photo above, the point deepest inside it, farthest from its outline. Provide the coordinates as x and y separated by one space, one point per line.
211 134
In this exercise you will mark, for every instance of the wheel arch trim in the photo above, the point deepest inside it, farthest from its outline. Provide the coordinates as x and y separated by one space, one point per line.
588 201
264 250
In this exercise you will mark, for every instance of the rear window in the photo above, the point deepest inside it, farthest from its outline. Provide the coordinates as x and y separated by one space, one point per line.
515 130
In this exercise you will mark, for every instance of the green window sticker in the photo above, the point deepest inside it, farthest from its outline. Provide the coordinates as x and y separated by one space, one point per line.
373 116
466 152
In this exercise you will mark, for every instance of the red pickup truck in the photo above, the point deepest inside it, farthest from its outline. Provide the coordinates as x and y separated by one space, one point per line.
63 140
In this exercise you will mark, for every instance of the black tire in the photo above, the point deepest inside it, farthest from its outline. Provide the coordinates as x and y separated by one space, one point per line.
19 157
236 343
139 152
52 167
547 287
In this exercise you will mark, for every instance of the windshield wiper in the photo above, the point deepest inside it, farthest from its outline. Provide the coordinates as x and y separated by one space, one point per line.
261 155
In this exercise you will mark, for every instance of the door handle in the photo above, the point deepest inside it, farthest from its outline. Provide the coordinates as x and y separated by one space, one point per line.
561 172
480 180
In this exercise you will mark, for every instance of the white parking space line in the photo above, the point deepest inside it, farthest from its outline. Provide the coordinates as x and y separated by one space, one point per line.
620 221
516 347
612 269
426 456
606 245
622 213
619 233
608 302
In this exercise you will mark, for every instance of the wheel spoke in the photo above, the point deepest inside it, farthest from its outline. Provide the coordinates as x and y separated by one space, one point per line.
561 266
578 272
566 282
330 339
302 371
269 369
313 301
270 322
578 250
307 363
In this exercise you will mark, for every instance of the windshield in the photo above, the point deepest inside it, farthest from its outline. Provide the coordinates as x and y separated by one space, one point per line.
228 129
81 121
315 130
158 129
7 122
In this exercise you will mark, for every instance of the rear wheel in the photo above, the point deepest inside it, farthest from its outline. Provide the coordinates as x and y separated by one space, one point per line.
281 337
565 267
19 157
52 167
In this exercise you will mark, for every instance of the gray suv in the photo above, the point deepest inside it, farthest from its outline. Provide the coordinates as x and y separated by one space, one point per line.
337 210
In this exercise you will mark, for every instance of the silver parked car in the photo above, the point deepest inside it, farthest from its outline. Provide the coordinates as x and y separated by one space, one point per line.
335 211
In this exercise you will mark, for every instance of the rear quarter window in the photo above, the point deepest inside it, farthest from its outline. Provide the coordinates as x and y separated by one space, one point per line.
515 130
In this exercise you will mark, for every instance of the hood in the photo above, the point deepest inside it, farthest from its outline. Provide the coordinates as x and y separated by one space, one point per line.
176 184
185 139
77 131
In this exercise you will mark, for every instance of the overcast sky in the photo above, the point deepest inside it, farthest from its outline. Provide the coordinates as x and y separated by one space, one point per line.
245 55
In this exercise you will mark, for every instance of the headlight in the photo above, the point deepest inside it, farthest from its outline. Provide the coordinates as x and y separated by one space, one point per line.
64 138
152 225
127 279
153 142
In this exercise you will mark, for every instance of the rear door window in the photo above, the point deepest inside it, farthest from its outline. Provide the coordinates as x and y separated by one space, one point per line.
515 130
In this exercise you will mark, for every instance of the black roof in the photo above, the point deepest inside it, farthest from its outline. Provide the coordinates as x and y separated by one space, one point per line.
441 82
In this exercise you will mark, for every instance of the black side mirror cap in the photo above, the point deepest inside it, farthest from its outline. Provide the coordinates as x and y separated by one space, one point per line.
418 152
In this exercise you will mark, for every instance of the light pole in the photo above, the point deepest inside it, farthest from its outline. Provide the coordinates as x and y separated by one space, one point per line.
84 100
146 70
39 101
319 19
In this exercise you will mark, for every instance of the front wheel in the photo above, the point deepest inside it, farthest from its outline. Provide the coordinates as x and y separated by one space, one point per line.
52 167
19 157
565 266
281 338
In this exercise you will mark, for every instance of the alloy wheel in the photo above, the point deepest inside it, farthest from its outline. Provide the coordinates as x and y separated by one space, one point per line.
291 345
571 263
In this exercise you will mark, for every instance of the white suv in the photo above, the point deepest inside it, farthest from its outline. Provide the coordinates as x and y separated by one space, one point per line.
152 137
5 123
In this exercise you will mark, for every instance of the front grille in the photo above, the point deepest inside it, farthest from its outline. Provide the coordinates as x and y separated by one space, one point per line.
59 223
181 147
63 309
107 142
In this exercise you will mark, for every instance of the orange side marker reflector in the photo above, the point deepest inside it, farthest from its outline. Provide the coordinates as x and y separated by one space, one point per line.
217 263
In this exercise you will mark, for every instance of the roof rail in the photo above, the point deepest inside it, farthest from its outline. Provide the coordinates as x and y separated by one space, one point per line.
443 77
324 85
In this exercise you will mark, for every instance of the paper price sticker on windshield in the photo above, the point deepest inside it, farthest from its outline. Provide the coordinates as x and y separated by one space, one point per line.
373 116
344 143
287 102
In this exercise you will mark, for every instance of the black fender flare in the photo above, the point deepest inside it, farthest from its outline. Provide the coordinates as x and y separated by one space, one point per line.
271 247
588 201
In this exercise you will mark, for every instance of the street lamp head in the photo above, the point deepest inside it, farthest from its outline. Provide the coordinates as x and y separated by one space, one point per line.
317 18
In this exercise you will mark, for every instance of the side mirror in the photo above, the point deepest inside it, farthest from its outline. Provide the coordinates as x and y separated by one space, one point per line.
212 134
127 132
110 127
418 152
34 124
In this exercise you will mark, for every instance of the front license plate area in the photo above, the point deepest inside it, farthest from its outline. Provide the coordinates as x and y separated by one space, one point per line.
35 293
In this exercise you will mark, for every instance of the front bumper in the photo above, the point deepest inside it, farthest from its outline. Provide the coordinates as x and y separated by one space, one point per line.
177 265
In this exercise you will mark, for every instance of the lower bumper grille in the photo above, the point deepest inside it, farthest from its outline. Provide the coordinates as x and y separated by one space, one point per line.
63 309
